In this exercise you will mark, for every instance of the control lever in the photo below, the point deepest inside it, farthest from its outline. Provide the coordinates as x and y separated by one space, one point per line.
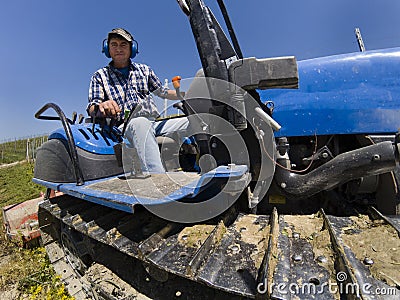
176 81
96 109
120 147
74 115
128 116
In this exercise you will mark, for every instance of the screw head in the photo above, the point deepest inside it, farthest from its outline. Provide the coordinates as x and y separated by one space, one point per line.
297 257
368 261
376 157
322 259
235 248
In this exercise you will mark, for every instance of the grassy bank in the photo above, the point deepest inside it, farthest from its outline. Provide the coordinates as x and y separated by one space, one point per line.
16 184
18 150
24 273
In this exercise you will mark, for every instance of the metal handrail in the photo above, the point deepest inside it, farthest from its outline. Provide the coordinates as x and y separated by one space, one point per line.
70 139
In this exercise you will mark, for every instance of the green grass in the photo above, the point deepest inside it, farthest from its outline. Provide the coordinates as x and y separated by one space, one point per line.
16 184
30 271
17 150
13 151
26 270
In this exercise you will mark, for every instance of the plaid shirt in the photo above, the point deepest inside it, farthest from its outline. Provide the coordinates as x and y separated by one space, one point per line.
109 83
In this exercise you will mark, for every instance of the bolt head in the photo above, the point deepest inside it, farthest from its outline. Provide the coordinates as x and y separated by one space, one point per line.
368 261
376 157
297 258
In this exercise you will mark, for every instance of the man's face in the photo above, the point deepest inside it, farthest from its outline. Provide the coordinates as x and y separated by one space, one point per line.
120 50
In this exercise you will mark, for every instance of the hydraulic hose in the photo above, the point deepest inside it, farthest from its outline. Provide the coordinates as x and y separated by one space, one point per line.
367 161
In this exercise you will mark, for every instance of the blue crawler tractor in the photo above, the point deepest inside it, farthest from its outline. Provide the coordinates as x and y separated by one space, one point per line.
285 185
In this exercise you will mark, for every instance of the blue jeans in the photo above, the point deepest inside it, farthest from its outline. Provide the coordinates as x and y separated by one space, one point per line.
140 133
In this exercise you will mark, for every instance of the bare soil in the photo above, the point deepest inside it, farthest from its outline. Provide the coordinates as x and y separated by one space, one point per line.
377 241
195 236
112 284
254 233
8 288
311 227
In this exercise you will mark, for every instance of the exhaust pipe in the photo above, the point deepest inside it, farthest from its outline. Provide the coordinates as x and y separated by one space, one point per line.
367 161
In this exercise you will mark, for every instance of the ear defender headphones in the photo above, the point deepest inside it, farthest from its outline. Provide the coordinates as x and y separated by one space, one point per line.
126 35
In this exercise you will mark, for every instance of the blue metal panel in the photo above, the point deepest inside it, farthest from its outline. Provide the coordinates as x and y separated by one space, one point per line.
97 141
124 202
341 94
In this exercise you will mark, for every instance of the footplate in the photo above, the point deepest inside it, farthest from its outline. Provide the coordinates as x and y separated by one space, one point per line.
124 192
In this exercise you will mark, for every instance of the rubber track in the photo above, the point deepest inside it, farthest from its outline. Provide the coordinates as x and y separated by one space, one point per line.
237 256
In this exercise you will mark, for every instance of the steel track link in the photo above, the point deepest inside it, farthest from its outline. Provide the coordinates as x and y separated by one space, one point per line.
238 256
120 250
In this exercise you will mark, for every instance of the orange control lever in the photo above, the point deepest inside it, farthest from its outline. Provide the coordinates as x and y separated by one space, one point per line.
176 81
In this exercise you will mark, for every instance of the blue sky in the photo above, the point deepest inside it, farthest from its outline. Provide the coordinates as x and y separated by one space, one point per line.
50 49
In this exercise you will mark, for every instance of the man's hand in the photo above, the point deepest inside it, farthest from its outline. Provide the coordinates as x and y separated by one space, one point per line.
171 95
107 108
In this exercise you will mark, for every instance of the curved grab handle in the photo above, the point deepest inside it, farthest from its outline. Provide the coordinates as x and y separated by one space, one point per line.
70 138
39 113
